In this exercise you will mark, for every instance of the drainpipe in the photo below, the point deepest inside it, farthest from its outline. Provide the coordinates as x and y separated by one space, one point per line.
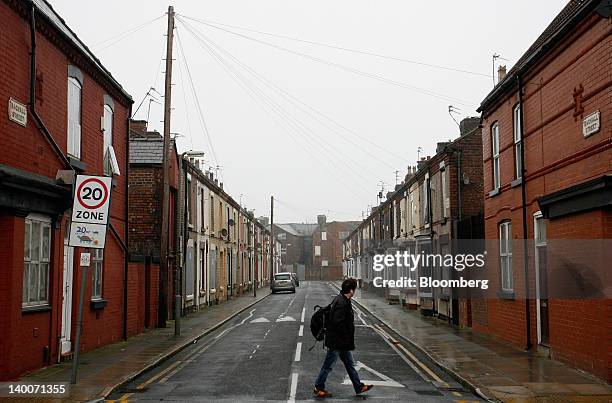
185 224
431 231
459 180
39 122
41 126
524 211
126 253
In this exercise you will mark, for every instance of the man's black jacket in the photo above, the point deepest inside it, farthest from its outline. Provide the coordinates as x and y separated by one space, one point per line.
340 333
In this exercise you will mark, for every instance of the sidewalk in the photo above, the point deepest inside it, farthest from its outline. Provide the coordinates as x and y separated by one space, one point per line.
106 368
498 370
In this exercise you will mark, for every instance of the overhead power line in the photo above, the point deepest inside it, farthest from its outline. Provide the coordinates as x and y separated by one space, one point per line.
288 120
337 47
307 131
121 36
345 67
296 102
197 101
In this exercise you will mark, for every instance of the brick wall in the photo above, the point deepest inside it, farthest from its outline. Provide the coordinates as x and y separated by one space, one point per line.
145 210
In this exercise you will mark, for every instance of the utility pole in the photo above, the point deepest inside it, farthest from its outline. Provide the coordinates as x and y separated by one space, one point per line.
272 243
163 272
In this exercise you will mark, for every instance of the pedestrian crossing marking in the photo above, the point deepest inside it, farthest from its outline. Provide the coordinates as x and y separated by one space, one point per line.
283 318
386 381
259 320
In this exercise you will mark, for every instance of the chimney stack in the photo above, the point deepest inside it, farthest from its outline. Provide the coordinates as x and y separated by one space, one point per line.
421 163
501 73
321 219
468 125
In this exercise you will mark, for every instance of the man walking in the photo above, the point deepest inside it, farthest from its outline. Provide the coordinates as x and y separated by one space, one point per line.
340 340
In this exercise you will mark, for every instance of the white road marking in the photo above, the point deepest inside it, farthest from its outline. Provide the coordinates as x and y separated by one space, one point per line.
386 381
381 333
298 351
301 331
260 320
360 315
293 390
236 325
283 318
303 313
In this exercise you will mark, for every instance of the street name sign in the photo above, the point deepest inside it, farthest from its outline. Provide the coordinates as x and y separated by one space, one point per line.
92 196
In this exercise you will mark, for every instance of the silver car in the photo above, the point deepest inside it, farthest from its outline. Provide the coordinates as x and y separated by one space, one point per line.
283 282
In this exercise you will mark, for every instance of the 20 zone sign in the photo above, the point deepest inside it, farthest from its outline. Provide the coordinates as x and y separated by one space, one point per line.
91 199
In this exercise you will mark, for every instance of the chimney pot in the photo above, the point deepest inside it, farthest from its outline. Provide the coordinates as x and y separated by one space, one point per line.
501 73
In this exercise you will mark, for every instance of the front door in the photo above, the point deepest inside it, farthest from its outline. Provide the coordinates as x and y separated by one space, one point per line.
65 339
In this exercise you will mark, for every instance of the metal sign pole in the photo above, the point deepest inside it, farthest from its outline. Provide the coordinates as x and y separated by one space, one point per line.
77 347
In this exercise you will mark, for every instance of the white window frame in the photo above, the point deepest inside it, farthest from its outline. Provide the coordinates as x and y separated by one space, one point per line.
443 185
324 236
505 256
97 273
188 201
425 204
324 263
74 108
107 138
36 266
518 143
495 156
317 250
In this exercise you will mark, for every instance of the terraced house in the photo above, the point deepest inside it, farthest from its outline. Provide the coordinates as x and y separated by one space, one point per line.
225 250
438 203
67 115
547 134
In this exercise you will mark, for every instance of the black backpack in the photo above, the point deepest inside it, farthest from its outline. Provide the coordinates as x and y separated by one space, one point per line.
318 321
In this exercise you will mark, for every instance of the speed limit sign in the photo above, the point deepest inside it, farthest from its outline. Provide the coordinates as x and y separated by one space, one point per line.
91 199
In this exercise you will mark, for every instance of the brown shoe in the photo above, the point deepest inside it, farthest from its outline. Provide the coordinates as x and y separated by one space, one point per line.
321 393
365 388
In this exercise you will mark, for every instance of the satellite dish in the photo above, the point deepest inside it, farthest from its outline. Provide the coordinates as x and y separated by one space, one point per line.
224 232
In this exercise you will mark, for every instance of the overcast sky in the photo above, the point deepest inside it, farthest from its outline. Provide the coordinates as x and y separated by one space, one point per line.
267 145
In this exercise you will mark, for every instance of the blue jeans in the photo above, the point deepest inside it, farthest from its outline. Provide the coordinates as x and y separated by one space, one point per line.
347 359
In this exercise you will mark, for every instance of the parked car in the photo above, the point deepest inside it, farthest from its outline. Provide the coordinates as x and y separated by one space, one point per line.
295 278
283 282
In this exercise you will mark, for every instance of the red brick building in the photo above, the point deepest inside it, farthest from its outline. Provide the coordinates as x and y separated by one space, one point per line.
145 218
327 248
552 111
67 115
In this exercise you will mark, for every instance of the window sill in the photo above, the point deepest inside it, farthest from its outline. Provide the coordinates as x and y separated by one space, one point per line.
516 182
35 309
97 304
509 295
494 192
77 164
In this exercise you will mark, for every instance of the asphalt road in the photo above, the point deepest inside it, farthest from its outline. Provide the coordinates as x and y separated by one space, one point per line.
262 355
